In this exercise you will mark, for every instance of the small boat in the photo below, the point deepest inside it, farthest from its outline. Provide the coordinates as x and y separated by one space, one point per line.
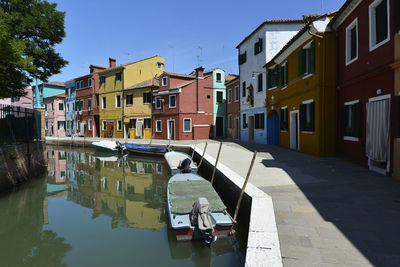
109 146
145 150
180 162
195 209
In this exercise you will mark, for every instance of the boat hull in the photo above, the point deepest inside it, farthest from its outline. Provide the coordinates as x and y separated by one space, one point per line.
142 150
185 234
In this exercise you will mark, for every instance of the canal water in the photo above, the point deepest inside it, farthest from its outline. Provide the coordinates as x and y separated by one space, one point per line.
92 209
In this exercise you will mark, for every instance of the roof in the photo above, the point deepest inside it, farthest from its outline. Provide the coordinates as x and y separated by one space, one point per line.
126 64
342 14
231 77
60 84
153 82
182 84
80 77
97 66
271 21
298 34
180 75
59 95
235 79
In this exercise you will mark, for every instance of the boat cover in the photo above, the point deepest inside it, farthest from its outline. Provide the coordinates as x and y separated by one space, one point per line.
146 148
183 194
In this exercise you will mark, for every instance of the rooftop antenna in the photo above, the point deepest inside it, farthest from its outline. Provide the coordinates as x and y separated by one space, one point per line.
322 10
199 57
173 56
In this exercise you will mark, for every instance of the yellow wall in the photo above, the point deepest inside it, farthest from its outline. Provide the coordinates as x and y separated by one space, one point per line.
138 110
320 87
133 73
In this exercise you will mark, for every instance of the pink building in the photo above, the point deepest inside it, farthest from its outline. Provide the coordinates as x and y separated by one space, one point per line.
23 101
55 115
57 166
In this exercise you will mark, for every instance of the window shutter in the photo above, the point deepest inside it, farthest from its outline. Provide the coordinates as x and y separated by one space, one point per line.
312 57
345 115
286 119
260 44
357 129
255 48
303 116
286 74
144 97
281 117
269 79
312 116
276 76
301 62
282 76
262 121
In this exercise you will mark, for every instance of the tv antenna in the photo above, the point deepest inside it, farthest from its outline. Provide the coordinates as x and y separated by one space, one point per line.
200 57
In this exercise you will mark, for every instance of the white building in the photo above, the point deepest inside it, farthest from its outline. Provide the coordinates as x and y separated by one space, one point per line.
254 52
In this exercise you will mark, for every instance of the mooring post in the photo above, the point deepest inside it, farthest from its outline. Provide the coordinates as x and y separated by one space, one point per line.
244 187
216 162
194 148
169 144
204 151
84 142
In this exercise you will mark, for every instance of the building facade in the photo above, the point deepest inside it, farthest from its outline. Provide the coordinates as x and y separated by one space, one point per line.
254 52
70 114
219 95
183 106
233 108
42 90
55 115
365 43
301 91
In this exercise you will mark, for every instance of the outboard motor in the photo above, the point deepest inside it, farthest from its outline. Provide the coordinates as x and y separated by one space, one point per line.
200 217
184 166
119 146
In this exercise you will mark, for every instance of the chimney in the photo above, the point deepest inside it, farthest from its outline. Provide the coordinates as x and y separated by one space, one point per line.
199 72
112 61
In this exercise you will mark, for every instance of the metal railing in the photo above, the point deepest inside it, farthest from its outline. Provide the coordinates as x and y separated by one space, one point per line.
18 124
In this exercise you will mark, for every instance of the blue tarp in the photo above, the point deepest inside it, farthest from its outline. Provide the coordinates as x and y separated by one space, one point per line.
145 148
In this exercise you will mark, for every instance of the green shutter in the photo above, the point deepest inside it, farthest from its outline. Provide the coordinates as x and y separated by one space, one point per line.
281 117
282 76
357 122
303 116
286 79
312 116
312 58
345 115
260 44
276 76
255 48
268 79
301 62
262 121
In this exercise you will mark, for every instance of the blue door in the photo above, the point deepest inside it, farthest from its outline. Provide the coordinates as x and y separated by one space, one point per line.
273 129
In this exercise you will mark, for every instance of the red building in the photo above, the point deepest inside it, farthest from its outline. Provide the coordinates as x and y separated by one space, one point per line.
183 106
87 103
233 107
365 83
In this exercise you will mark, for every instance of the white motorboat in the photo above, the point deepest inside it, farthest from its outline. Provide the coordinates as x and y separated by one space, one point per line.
180 162
109 146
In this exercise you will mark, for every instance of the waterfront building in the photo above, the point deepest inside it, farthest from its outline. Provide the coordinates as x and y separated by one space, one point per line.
233 108
25 101
55 115
254 52
138 109
183 106
57 166
70 116
396 111
112 81
365 82
42 90
300 87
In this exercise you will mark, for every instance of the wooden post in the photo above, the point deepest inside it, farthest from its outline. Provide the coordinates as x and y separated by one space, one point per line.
84 142
244 187
201 160
169 144
216 162
194 148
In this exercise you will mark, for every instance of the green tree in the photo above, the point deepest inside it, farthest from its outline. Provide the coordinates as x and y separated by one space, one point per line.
29 31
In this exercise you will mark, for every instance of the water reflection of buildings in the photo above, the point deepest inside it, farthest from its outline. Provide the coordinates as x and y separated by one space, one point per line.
57 166
129 190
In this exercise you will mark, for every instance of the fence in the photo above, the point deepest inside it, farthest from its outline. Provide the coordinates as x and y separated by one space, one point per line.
18 124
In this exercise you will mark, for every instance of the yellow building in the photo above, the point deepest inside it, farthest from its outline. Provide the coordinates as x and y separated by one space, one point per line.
300 97
112 82
138 109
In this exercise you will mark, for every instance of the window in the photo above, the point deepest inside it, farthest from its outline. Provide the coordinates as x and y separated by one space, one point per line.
78 125
89 81
187 125
219 77
81 84
41 91
103 102
129 99
73 107
259 121
146 97
229 121
159 65
258 47
229 96
172 101
119 125
272 77
306 59
61 125
158 102
46 126
102 79
243 89
351 120
352 42
244 121
60 106
164 81
118 101
220 97
260 82
147 123
77 84
89 104
307 116
236 93
283 123
242 58
158 126
79 105
132 123
90 125
118 76
51 106
284 75
379 23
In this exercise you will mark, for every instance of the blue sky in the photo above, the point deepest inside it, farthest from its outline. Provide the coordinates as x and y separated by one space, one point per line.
185 33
